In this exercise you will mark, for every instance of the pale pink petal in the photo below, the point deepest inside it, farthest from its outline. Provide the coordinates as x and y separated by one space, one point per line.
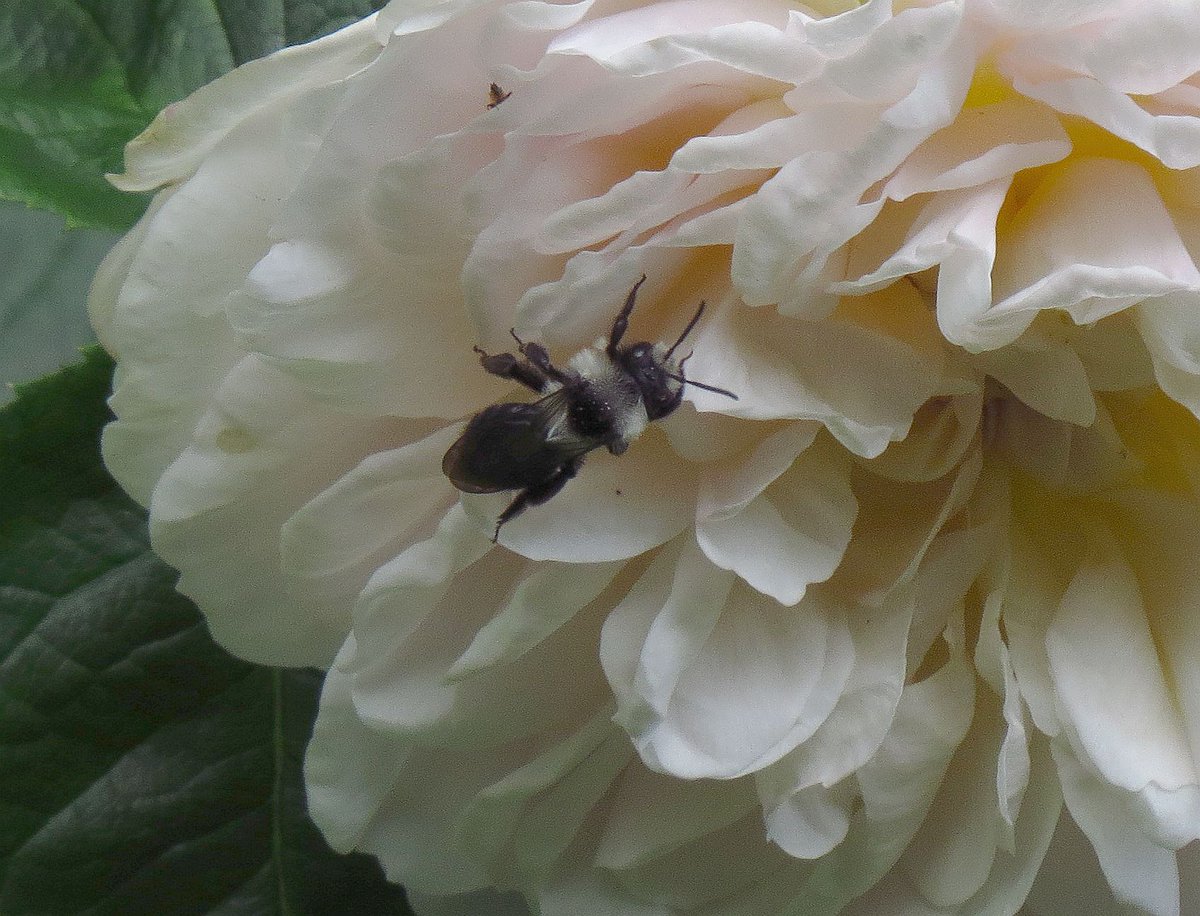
981 146
1055 257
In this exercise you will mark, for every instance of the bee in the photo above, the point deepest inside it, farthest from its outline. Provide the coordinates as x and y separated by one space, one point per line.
605 396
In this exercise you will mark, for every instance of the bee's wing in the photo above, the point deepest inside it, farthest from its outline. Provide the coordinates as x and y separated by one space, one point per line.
513 446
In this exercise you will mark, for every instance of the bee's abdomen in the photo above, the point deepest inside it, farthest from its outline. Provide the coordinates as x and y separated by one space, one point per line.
502 448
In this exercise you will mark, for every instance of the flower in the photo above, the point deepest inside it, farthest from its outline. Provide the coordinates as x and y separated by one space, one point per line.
860 640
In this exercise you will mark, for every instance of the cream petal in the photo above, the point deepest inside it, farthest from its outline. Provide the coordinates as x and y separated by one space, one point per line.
898 786
523 823
1008 877
1047 376
1169 326
113 271
196 244
1058 454
955 230
1115 53
953 852
716 869
810 822
943 432
1162 542
1016 867
488 900
343 796
948 569
545 600
617 37
420 612
994 663
790 536
941 227
387 798
782 368
802 817
815 204
736 698
594 892
217 512
1070 877
1032 582
1140 870
581 304
1114 353
183 134
762 135
1035 16
615 509
314 310
651 815
731 486
376 508
1108 678
882 553
759 49
672 608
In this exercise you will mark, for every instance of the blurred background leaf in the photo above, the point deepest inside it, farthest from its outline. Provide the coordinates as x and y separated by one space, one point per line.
80 78
47 271
142 769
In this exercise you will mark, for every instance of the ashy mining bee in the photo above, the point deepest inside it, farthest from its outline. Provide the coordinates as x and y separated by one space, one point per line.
605 396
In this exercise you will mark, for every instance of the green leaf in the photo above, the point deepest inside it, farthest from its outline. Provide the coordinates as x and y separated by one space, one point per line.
47 271
142 769
80 78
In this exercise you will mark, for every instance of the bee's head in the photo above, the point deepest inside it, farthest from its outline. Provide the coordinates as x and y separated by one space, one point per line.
658 377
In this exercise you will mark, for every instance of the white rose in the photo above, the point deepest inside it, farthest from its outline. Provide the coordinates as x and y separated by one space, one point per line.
849 642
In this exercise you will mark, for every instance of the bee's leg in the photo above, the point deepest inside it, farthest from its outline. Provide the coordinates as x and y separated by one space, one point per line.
621 322
538 493
506 365
539 358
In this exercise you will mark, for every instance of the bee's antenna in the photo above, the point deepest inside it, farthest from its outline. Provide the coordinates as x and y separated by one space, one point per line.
688 330
712 388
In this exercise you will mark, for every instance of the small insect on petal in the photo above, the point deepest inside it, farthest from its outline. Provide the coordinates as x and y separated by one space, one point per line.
496 95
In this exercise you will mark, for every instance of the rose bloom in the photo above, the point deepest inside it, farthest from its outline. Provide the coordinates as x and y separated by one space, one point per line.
912 626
